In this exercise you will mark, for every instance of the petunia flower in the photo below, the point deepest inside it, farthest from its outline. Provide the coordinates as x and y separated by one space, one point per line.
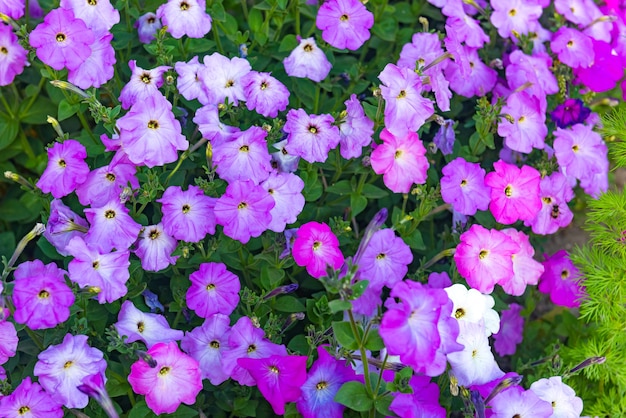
445 137
185 17
187 215
142 84
100 16
562 280
213 290
111 227
63 225
570 112
572 47
286 190
106 183
155 248
310 136
555 191
344 23
14 56
222 78
463 186
469 305
147 327
385 260
514 17
243 157
517 401
355 130
13 8
525 127
526 270
479 79
208 120
66 168
175 379
580 151
423 402
188 82
315 248
98 68
561 397
33 399
307 60
511 331
147 26
264 94
61 369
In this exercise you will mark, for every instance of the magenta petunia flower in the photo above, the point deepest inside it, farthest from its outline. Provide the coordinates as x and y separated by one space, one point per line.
155 248
315 248
463 186
286 190
206 344
189 84
142 84
325 378
385 260
147 327
278 378
66 168
517 401
185 17
243 210
573 48
13 58
175 379
310 136
307 61
401 160
511 331
62 40
527 127
42 299
605 70
406 110
150 134
483 257
355 130
560 396
61 369
106 183
222 78
63 225
100 15
111 227
187 215
562 280
98 68
243 157
526 270
344 23
514 17
420 328
30 400
247 341
264 94
555 192
514 192
213 290
147 26
106 274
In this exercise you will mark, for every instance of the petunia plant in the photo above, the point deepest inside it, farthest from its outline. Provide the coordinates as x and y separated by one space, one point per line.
306 208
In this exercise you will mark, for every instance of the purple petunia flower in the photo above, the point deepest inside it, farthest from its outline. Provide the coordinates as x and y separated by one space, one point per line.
570 112
147 26
147 327
562 280
324 379
189 84
479 79
107 273
207 344
511 331
222 78
98 68
514 17
463 186
66 168
62 40
572 47
344 23
310 136
355 130
243 210
526 129
187 215
264 94
214 290
185 17
42 299
445 137
99 15
286 190
8 340
423 402
401 160
208 120
605 70
243 157
13 8
555 192
175 379
150 133
580 152
106 183
278 378
61 369
63 225
517 401
142 84
30 397
13 58
111 227
307 61
385 260
535 69
155 248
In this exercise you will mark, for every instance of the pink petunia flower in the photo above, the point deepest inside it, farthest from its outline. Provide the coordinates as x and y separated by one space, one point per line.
175 379
243 157
315 248
307 61
401 160
580 152
185 17
8 339
286 190
526 270
483 257
62 40
562 280
572 47
187 215
344 23
463 186
514 192
61 369
147 327
555 192
30 397
222 78
517 401
98 68
514 17
208 120
213 290
310 136
479 80
106 183
66 168
527 128
111 227
189 84
13 58
42 299
13 8
423 402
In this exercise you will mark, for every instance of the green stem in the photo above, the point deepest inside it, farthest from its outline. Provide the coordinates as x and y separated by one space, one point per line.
297 16
366 372
316 104
30 103
218 43
7 107
244 7
83 122
445 253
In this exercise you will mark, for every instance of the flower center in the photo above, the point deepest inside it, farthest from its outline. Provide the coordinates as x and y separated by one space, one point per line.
184 6
109 214
321 385
44 294
343 17
521 119
62 163
263 85
570 44
463 183
151 20
512 12
575 148
164 371
313 129
284 152
4 50
273 369
95 265
474 354
110 177
186 208
61 37
154 234
459 313
141 326
401 95
381 256
68 364
23 410
244 148
242 205
482 254
251 348
547 200
214 344
92 2
564 274
316 245
270 191
145 77
210 286
153 124
397 154
307 48
508 191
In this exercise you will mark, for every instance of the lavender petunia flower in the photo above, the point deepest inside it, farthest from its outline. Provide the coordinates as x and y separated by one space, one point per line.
14 57
99 15
111 227
63 225
187 215
264 94
142 84
222 78
185 17
307 61
344 23
463 186
286 190
147 327
155 248
356 129
66 168
147 26
214 290
98 68
243 157
30 397
310 136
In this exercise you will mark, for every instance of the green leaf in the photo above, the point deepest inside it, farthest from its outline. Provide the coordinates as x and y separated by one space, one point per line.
414 240
386 29
372 192
255 20
7 244
359 288
345 337
9 128
141 410
38 113
217 12
282 4
373 341
341 188
67 110
382 405
358 203
339 305
354 396
476 144
288 303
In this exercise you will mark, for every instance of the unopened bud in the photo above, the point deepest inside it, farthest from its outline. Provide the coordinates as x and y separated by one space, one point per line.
64 85
56 126
590 361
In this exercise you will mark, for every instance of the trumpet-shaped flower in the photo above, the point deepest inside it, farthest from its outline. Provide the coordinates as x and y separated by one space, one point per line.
99 16
66 168
555 192
147 26
243 157
307 61
385 260
147 327
463 186
98 68
111 227
33 399
562 398
155 248
213 290
525 128
63 225
344 23
286 190
310 136
187 215
356 129
511 331
264 94
14 57
186 17
142 84
562 280
526 270
315 248
222 78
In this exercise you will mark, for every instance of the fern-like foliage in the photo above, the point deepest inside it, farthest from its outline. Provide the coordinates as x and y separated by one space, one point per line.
614 130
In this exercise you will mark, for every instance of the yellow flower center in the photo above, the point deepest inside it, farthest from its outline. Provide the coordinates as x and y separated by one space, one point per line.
44 294
61 37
